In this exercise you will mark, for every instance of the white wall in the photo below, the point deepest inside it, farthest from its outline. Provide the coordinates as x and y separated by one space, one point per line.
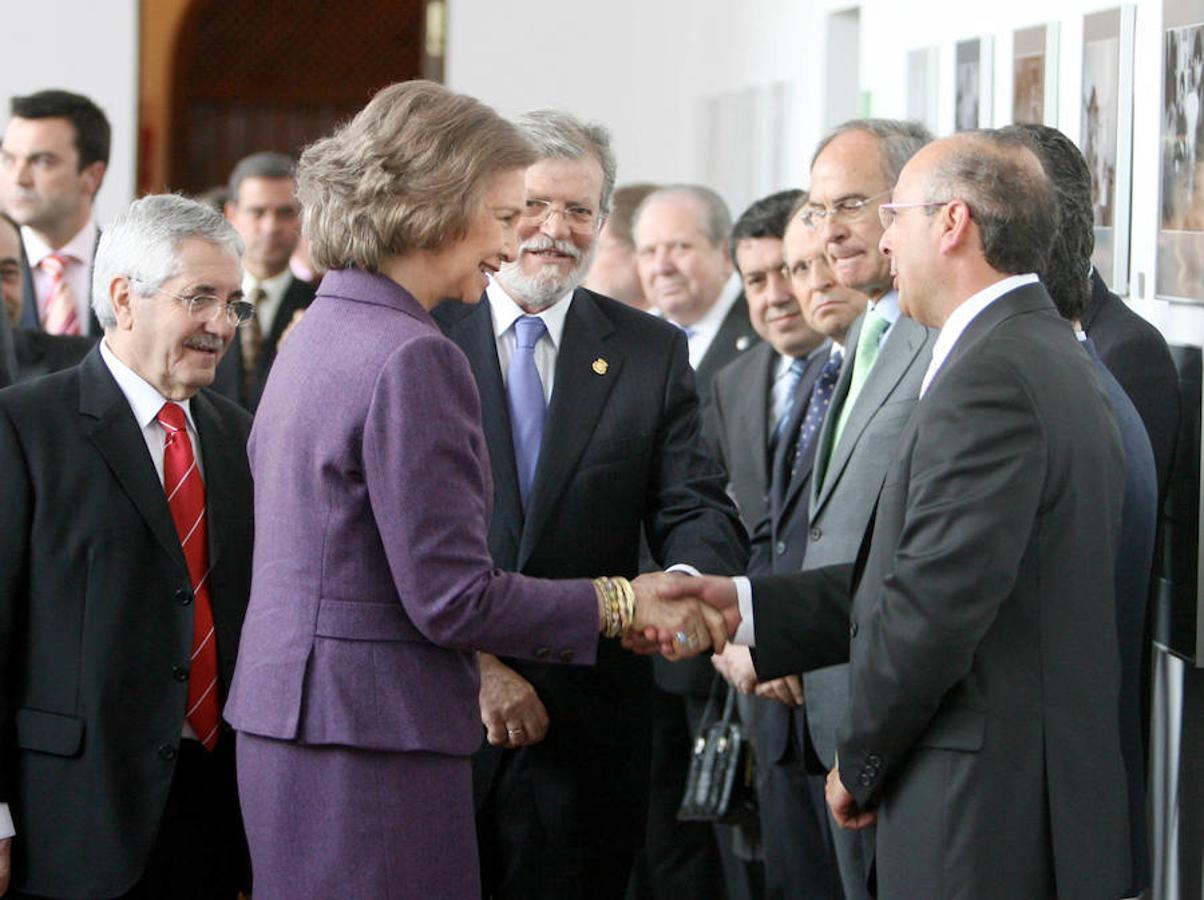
94 52
648 69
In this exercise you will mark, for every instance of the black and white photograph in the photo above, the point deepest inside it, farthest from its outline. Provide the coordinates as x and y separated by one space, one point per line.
1099 109
1181 234
969 88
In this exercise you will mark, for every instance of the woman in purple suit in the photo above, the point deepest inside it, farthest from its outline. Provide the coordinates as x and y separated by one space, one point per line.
355 695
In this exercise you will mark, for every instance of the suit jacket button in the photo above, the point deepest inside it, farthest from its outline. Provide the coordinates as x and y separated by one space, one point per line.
816 534
566 656
183 597
179 673
167 752
543 653
853 628
874 760
866 779
780 548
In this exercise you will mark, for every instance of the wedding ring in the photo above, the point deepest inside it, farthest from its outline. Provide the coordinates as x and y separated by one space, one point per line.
514 730
682 638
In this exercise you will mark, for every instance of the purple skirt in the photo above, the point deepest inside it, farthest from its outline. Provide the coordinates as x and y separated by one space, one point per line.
342 822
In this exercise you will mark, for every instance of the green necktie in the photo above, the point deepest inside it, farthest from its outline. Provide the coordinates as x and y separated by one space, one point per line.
872 330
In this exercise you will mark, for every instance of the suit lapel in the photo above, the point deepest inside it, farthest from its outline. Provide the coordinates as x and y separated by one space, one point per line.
219 455
815 365
578 397
474 333
110 425
735 335
750 415
905 341
1024 299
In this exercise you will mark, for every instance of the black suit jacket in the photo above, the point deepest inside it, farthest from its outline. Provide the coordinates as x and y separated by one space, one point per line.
620 448
1136 354
95 613
982 641
735 336
229 378
741 412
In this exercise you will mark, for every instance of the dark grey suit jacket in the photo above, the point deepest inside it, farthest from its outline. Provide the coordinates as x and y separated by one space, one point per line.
95 613
983 646
620 449
841 505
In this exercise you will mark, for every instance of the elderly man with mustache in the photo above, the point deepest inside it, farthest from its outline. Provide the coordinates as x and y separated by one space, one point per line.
593 427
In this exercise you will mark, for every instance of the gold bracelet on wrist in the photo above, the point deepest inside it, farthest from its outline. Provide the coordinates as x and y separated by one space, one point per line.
618 604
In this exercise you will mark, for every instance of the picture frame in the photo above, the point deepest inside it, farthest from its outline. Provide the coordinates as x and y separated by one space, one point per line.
973 95
1180 266
1035 75
1106 136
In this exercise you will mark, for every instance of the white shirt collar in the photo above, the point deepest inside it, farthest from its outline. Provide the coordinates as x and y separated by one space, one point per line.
504 311
959 320
79 247
143 398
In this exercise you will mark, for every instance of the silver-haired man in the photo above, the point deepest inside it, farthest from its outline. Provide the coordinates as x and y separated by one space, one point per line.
593 423
125 566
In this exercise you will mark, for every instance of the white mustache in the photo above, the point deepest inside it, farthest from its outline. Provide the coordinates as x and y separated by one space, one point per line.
543 242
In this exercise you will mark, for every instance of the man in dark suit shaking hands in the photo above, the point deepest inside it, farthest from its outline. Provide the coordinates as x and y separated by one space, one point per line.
125 565
592 422
982 728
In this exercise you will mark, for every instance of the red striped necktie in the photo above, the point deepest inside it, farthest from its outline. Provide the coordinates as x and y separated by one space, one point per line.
186 500
58 311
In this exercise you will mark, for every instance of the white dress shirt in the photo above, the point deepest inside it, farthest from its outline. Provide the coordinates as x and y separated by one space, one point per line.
505 312
960 319
77 275
702 333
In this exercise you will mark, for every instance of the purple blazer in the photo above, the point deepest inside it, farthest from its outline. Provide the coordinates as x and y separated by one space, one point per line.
372 582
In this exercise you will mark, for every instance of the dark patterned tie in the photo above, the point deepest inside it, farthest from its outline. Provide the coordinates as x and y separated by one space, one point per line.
808 429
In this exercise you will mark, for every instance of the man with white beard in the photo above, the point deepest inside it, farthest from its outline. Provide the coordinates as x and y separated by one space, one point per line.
592 421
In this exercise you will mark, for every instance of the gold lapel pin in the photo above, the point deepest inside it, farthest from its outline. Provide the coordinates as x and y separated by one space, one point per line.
600 366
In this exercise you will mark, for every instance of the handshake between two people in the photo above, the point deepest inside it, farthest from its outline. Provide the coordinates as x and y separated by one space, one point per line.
680 615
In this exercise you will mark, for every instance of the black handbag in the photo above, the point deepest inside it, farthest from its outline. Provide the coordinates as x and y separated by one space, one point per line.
721 784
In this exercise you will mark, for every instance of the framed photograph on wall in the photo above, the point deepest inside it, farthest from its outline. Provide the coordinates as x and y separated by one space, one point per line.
923 86
1181 212
1106 136
1035 75
973 65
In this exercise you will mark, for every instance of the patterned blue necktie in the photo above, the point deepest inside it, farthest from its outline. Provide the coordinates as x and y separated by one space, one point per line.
795 375
808 429
528 408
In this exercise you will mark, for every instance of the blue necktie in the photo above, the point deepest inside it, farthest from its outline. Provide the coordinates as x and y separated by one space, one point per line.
795 375
809 425
528 408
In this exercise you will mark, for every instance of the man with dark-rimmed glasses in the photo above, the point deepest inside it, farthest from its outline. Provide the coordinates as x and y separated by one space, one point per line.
125 568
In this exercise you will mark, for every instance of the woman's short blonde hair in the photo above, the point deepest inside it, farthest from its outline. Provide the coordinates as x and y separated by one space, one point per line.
407 173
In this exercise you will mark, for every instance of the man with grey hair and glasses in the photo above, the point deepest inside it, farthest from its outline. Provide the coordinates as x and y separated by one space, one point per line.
886 354
593 425
125 567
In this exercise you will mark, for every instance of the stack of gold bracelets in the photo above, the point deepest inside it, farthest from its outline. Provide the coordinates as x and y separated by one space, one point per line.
618 599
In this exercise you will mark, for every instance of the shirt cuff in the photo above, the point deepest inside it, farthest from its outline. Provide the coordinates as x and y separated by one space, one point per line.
6 822
745 634
684 567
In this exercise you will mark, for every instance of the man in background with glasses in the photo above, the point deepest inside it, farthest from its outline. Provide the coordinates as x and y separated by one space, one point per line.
592 422
125 567
852 173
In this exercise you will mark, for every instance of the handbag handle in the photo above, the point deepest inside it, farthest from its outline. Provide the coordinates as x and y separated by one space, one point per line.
729 703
